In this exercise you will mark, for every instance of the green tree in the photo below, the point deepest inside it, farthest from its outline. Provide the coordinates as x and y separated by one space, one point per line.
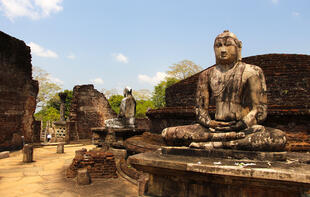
50 111
55 102
115 102
142 107
158 97
177 72
47 89
47 113
183 69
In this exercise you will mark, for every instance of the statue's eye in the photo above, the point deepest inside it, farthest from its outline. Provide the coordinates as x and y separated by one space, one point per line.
218 44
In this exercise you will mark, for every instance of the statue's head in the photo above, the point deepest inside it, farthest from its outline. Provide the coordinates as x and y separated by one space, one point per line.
227 48
127 91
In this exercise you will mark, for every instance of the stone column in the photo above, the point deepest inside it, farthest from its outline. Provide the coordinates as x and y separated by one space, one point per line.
63 97
60 148
28 153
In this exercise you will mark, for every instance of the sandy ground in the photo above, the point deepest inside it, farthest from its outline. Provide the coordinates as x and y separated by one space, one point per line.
46 177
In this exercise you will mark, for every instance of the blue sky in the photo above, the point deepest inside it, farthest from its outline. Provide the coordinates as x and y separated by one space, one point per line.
133 42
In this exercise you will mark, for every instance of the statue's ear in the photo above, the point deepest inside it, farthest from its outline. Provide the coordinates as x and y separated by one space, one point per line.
239 50
240 44
130 91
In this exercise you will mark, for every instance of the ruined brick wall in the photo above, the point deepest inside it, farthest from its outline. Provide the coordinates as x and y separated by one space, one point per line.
288 82
17 93
99 164
182 93
89 108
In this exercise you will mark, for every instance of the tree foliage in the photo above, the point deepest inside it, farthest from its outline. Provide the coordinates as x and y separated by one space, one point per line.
115 102
143 94
50 111
47 89
55 102
177 72
47 113
183 69
142 107
159 93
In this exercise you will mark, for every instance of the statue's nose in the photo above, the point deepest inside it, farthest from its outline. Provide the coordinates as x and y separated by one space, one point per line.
223 52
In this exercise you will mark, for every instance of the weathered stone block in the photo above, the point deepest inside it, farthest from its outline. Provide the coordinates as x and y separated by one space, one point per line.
28 153
83 177
177 175
60 148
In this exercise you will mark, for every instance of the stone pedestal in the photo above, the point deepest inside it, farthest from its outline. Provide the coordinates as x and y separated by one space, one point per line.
28 153
60 148
83 177
190 176
113 137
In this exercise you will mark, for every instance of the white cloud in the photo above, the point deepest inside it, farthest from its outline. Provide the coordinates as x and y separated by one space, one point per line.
34 9
40 51
55 80
296 14
71 56
121 58
152 80
97 81
275 1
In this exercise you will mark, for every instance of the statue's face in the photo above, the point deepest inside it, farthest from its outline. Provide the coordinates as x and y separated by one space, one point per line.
226 50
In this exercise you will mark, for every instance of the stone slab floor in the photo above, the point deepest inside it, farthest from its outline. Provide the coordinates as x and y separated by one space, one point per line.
46 177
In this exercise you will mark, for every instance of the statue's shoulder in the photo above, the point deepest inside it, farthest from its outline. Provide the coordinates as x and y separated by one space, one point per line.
207 72
205 75
252 69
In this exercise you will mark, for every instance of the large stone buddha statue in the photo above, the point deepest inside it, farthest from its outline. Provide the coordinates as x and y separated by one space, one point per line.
239 92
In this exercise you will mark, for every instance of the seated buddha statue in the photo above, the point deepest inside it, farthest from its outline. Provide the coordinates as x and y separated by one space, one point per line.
239 94
127 112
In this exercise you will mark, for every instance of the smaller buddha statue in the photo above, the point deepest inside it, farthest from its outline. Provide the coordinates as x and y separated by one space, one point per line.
127 112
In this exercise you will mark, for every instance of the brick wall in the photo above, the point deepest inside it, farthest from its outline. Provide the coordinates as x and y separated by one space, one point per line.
182 93
99 164
89 108
17 93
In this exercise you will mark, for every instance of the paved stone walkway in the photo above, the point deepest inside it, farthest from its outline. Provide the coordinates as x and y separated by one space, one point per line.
46 177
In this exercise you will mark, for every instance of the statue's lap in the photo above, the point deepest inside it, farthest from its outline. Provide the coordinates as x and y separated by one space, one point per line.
257 137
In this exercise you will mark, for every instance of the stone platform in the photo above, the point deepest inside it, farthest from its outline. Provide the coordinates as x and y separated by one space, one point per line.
144 143
225 153
180 175
113 137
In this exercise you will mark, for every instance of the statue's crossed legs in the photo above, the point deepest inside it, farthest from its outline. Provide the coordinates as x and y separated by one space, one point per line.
258 138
